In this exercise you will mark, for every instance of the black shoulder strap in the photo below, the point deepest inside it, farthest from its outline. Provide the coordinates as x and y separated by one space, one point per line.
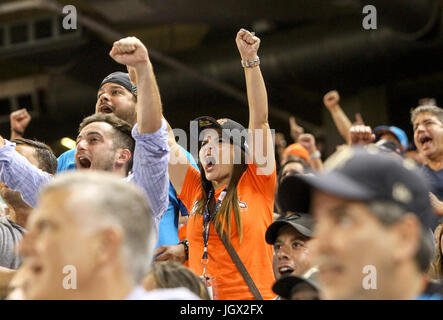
240 266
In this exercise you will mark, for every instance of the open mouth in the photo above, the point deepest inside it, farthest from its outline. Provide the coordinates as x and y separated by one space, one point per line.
425 141
84 162
105 108
285 270
210 163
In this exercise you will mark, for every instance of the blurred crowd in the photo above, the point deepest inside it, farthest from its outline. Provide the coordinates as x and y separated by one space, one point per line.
130 214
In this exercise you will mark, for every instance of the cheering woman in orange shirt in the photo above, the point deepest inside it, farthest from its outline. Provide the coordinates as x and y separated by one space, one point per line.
232 196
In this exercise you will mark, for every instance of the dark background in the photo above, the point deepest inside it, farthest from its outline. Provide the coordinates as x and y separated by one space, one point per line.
307 48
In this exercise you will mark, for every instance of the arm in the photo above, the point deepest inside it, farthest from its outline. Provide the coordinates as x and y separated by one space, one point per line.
19 174
263 157
360 135
342 122
307 140
19 120
151 155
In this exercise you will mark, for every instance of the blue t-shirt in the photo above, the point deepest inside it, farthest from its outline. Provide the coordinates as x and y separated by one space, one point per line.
168 228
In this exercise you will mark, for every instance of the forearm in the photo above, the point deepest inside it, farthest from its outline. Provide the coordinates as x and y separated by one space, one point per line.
20 175
257 98
149 107
341 121
150 169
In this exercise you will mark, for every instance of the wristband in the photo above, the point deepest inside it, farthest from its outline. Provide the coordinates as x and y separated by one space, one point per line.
250 63
315 155
185 243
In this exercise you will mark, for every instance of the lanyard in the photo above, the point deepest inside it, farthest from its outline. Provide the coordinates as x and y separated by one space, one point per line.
207 217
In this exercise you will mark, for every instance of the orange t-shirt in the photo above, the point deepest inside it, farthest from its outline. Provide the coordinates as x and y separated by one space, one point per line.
256 201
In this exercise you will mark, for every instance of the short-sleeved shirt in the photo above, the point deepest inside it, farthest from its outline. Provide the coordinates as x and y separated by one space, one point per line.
10 236
256 200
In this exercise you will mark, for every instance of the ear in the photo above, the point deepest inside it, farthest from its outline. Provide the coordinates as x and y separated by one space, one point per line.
107 243
407 232
122 156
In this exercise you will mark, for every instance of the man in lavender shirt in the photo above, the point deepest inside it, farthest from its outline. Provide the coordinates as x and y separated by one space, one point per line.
104 146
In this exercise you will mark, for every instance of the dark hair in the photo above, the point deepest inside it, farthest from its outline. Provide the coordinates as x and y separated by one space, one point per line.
172 274
45 157
223 216
388 214
122 137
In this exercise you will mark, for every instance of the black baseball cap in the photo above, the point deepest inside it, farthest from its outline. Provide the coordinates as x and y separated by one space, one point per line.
368 174
286 285
302 222
232 127
122 78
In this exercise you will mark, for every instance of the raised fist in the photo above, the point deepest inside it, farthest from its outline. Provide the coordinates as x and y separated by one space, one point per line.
307 140
20 120
247 44
129 51
361 135
331 99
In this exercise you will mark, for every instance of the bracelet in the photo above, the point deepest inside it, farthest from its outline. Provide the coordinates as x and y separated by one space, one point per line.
185 243
250 63
315 155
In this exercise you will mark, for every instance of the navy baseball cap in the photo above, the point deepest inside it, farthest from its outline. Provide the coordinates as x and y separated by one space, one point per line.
397 132
368 174
206 122
122 78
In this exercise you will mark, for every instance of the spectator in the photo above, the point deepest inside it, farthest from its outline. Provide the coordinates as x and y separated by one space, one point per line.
233 188
295 151
172 274
290 235
117 95
105 143
392 134
366 218
93 233
427 122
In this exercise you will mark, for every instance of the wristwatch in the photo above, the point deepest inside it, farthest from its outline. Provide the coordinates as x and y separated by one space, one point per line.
250 63
185 243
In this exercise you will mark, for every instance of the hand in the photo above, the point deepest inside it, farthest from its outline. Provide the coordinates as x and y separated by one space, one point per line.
436 204
247 45
307 140
129 51
172 252
361 135
295 129
280 140
331 99
20 120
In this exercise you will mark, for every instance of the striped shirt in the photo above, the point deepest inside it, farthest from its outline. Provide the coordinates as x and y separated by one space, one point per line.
149 171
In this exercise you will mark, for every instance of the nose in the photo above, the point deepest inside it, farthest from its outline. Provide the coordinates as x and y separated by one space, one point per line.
81 145
103 97
283 253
